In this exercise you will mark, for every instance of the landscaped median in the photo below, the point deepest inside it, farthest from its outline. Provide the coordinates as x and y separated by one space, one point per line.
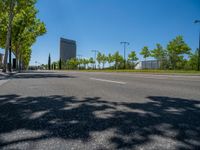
171 72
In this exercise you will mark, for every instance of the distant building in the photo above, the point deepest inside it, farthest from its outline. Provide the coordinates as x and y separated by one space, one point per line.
150 64
67 49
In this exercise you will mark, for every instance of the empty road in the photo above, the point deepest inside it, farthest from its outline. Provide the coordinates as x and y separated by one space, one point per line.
87 110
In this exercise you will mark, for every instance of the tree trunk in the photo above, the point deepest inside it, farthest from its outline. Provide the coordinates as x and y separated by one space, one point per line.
17 59
17 63
8 36
132 64
20 63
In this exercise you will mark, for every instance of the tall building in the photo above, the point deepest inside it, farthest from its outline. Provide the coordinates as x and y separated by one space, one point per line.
67 49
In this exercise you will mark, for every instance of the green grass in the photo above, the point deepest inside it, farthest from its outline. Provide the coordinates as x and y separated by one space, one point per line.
189 72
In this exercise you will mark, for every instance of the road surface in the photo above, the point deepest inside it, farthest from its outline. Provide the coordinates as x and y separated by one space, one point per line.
85 110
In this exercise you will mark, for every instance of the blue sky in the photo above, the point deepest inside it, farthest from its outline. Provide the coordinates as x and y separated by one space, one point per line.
102 24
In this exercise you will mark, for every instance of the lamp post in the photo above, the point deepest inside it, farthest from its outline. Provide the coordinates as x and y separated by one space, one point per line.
125 44
198 65
95 56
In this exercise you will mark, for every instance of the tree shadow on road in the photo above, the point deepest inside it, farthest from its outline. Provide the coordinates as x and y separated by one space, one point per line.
42 75
132 125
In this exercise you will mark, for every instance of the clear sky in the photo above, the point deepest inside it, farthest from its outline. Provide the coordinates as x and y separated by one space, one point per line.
103 24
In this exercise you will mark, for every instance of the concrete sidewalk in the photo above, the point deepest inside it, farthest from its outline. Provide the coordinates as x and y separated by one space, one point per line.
4 77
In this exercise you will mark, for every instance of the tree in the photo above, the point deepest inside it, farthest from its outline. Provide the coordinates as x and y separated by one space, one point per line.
117 59
99 59
160 54
55 65
85 63
103 59
193 61
146 53
8 5
49 62
92 61
176 49
132 57
26 28
110 59
10 8
72 63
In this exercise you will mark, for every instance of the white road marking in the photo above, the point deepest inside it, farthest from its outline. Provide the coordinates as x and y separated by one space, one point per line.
111 81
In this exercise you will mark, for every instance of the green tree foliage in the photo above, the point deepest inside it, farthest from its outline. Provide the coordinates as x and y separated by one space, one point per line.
72 63
85 63
176 49
99 59
159 53
192 64
110 59
132 57
118 59
104 59
145 52
92 62
19 23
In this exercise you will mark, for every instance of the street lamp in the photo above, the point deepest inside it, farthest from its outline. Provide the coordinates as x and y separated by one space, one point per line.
95 56
125 44
198 21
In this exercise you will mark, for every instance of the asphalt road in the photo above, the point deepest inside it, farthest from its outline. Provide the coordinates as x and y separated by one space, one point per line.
82 110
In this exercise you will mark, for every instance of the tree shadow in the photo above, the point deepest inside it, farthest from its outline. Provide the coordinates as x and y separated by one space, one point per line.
36 75
132 124
4 76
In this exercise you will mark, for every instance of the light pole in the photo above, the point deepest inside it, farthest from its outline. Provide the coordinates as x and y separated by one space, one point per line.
125 44
95 56
198 65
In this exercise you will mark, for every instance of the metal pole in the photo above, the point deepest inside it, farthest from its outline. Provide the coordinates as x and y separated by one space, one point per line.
198 65
124 56
125 43
199 54
95 57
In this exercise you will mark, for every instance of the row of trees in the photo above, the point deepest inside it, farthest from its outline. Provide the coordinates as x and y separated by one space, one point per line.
176 55
19 29
115 61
